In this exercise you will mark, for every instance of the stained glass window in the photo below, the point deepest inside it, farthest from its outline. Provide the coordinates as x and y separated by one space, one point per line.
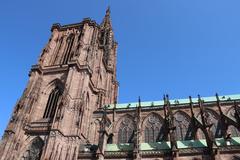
153 125
181 121
126 129
211 118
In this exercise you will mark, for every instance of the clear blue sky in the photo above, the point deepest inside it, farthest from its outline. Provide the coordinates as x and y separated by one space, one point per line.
179 47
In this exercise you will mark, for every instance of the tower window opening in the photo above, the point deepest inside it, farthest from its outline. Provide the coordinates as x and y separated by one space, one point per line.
52 104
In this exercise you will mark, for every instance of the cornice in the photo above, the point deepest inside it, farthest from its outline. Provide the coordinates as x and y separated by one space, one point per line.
61 68
89 21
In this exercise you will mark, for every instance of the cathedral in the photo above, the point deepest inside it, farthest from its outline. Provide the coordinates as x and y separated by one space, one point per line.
69 109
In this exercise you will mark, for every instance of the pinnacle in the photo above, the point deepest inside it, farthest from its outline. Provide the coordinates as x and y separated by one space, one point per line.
107 20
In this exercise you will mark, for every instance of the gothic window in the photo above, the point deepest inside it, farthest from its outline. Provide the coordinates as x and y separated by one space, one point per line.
126 131
233 131
181 121
67 54
211 118
34 151
152 128
56 53
52 104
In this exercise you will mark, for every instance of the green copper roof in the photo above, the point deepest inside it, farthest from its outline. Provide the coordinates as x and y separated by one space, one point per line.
175 101
155 146
192 144
119 147
234 141
220 142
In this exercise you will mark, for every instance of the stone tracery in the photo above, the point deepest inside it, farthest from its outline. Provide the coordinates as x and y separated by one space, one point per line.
126 130
182 122
152 128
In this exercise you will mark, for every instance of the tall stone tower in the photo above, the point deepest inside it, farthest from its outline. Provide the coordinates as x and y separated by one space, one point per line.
75 75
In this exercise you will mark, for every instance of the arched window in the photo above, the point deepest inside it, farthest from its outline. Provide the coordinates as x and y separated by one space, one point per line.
212 118
67 54
57 50
153 125
34 151
126 131
52 104
181 121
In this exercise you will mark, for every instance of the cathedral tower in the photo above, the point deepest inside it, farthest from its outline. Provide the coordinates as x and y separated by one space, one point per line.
75 76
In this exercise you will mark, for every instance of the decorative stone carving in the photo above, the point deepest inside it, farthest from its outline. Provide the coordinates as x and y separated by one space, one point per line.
153 126
182 123
34 151
126 128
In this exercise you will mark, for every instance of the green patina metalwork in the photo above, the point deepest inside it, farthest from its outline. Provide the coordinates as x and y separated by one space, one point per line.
220 142
174 102
119 147
192 144
155 146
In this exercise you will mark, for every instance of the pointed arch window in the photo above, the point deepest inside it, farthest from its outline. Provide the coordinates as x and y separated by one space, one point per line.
68 50
126 131
52 104
57 50
152 129
212 118
181 121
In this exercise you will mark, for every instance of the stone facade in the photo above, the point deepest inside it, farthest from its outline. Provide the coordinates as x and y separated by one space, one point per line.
75 75
69 110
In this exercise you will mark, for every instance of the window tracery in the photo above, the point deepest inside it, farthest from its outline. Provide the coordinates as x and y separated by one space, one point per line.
52 104
126 131
67 55
211 119
182 122
152 129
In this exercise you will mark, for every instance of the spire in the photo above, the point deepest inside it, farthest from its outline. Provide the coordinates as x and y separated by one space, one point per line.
107 19
108 11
